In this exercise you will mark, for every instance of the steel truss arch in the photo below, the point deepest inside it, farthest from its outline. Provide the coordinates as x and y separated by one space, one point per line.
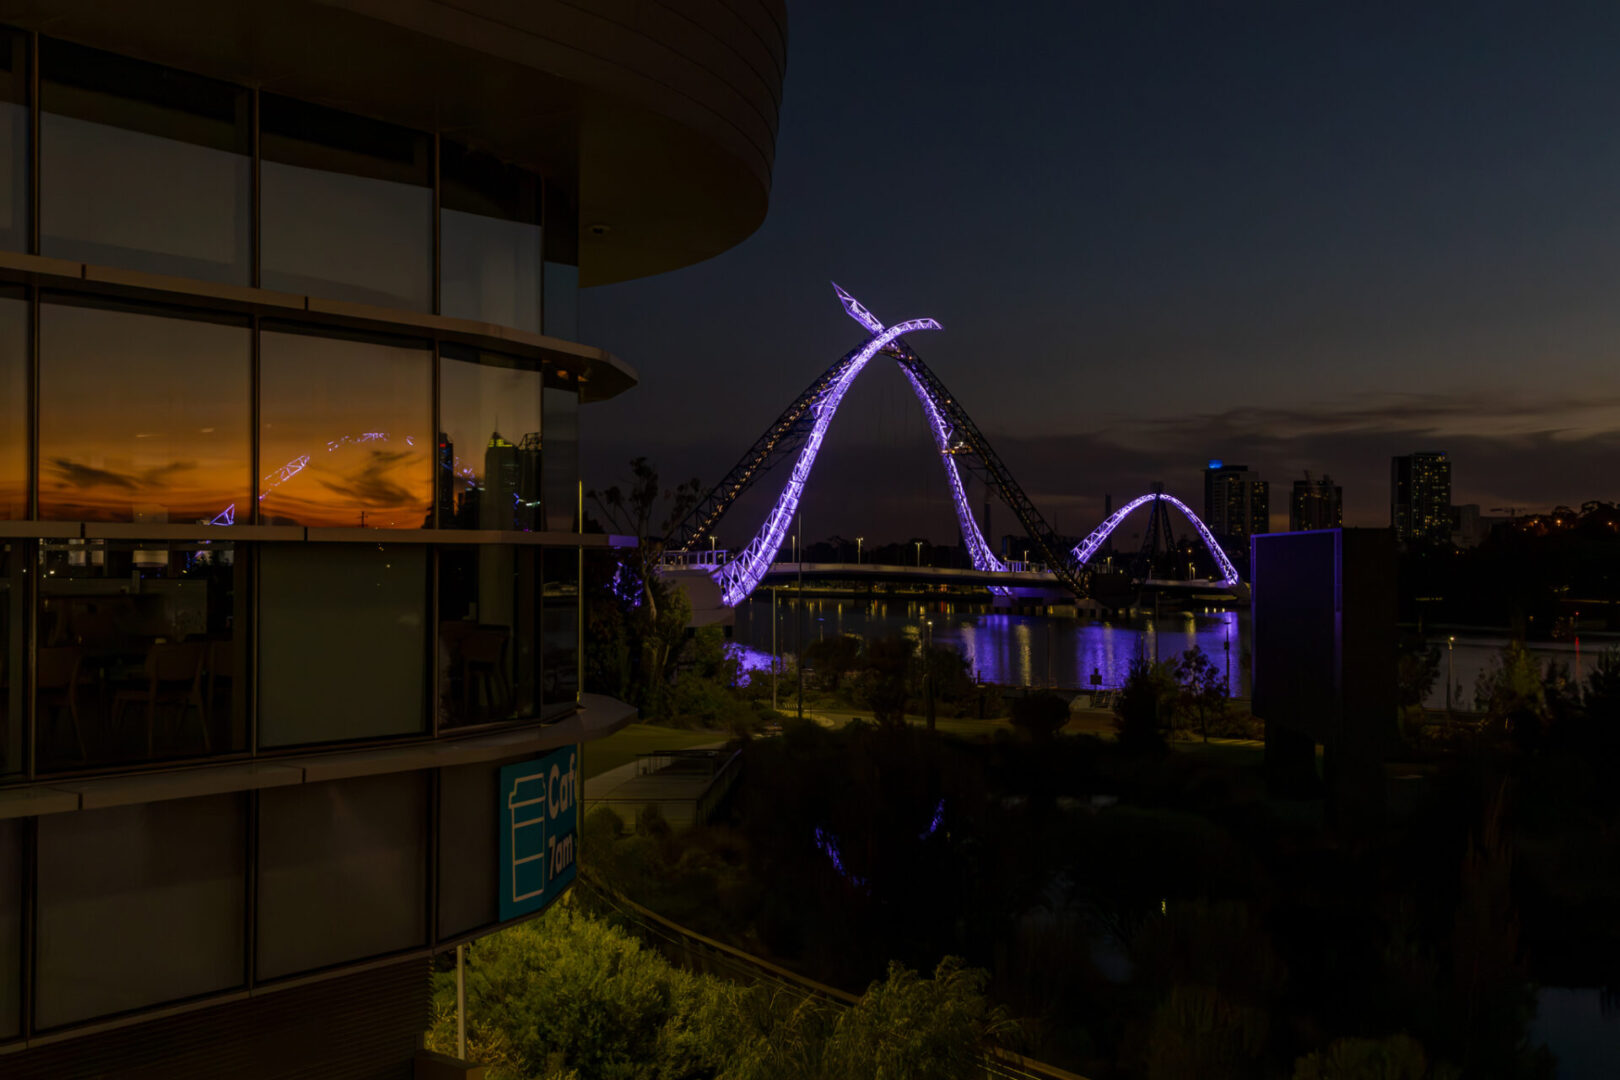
1088 547
801 428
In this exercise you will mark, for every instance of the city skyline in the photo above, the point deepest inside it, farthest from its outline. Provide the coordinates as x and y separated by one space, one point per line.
1303 240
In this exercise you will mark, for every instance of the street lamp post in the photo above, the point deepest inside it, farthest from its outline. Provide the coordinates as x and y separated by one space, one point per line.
919 551
1450 643
798 631
1229 660
858 540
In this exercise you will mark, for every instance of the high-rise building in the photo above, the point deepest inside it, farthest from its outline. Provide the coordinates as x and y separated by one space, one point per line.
499 509
1315 504
1237 503
278 723
1420 497
444 480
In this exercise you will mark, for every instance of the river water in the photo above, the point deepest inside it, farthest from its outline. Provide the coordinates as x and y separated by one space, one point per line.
1003 648
1053 650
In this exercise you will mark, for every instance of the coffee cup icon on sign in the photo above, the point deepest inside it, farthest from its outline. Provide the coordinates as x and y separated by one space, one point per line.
527 802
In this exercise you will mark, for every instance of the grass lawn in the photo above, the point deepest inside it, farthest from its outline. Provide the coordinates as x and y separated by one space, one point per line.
621 747
838 717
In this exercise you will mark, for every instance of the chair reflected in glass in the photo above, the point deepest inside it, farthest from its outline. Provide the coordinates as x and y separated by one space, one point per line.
477 682
483 668
174 676
57 673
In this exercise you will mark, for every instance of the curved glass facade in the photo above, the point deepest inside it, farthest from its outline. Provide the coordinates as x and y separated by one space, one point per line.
288 466
234 528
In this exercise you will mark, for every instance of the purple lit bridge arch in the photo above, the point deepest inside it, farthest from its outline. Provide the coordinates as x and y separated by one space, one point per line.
1098 536
798 434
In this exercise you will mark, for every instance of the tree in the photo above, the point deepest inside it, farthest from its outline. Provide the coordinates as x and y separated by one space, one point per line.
1145 706
1203 687
1417 667
1397 1057
912 1026
637 623
1512 696
634 513
831 657
884 678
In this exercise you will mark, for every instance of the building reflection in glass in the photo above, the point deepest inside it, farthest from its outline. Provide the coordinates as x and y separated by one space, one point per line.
488 471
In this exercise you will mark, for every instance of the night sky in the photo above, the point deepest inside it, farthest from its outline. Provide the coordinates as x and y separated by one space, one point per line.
1296 236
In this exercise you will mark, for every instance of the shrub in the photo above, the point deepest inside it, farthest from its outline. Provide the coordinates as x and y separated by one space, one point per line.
1145 706
1040 716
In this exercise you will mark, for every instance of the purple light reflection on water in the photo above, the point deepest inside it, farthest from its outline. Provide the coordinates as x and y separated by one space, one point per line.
1011 650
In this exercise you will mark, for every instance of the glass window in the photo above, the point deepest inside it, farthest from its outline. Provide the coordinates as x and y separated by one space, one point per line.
561 295
14 163
144 167
489 443
489 240
489 652
13 619
560 659
562 301
344 434
469 848
11 907
559 462
138 652
139 905
346 206
342 871
13 406
142 417
342 642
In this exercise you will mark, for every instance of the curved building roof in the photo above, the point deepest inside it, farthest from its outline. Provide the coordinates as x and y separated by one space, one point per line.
665 112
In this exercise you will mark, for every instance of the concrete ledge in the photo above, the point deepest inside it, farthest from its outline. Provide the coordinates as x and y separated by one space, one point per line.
597 717
184 784
602 375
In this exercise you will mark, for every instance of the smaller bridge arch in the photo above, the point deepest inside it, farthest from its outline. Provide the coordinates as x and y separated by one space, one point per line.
1088 547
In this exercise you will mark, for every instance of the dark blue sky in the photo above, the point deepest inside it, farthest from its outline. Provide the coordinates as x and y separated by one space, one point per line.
1298 235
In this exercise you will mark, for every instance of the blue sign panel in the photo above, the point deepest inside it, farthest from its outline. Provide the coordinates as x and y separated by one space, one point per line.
539 827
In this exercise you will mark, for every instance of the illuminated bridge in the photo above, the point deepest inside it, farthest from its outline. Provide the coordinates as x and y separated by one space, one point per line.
797 436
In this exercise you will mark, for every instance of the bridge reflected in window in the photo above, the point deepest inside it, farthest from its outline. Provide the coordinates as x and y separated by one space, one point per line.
344 432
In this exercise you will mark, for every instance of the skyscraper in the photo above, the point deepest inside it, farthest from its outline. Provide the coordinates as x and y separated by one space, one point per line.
1237 503
500 484
1316 504
1420 497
